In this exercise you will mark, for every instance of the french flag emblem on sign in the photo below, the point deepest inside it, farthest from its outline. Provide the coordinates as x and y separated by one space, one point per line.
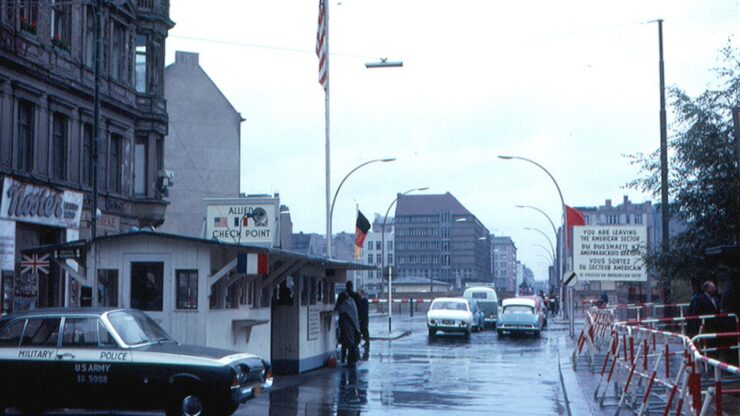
252 263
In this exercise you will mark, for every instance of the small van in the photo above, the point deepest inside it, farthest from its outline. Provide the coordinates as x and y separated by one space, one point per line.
487 301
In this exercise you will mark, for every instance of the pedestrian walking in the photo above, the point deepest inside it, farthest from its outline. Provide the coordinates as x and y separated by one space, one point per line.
349 324
364 312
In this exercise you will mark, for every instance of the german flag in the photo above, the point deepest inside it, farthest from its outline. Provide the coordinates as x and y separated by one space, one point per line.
362 226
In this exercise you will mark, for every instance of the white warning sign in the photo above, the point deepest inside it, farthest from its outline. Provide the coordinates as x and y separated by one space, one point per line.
611 253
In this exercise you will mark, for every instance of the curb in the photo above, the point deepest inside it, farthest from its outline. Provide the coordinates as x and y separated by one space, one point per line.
390 337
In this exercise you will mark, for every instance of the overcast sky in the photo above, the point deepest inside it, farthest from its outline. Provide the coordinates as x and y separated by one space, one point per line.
572 85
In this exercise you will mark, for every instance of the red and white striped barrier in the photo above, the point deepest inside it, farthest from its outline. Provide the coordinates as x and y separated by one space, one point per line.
636 353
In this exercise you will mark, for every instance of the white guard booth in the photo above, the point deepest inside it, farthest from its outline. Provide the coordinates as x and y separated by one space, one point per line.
274 303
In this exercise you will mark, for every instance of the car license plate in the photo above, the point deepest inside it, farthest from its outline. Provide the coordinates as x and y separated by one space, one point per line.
257 389
447 322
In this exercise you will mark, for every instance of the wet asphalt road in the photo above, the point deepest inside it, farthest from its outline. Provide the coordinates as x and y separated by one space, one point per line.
446 375
415 375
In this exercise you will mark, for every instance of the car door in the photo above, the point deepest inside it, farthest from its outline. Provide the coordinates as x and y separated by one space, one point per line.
10 367
92 364
37 360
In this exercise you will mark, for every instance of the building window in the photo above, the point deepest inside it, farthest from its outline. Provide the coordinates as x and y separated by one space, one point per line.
390 258
369 259
87 141
147 285
378 259
89 37
187 289
141 64
116 163
612 219
377 245
61 24
638 218
140 167
119 49
25 135
59 147
108 287
28 13
389 244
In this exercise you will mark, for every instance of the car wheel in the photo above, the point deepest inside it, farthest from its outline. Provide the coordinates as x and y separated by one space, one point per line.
537 334
499 332
467 333
188 403
432 332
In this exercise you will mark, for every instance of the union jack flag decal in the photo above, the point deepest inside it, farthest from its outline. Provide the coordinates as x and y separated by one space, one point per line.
35 263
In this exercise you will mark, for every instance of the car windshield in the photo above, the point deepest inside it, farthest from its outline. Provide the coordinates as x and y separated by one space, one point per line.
453 306
518 309
137 328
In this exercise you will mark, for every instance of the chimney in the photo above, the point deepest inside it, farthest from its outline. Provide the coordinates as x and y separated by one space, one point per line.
626 200
608 203
186 58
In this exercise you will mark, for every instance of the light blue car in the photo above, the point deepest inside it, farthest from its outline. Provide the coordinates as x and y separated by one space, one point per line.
520 315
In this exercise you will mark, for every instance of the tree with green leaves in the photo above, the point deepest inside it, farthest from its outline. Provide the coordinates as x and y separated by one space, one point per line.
703 185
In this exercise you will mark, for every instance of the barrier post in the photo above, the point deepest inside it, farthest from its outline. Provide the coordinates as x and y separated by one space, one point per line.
411 307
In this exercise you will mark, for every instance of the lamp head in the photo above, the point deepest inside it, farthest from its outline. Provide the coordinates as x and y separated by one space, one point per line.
390 159
505 157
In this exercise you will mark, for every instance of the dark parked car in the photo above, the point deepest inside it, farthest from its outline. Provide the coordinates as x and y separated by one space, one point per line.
118 359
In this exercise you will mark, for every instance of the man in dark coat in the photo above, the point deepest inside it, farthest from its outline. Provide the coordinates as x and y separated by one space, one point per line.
349 324
364 311
704 303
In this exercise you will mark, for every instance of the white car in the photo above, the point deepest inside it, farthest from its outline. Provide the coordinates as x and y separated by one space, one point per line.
450 315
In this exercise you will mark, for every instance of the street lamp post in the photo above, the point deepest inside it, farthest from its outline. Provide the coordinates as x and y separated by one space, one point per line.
331 207
382 255
543 234
562 238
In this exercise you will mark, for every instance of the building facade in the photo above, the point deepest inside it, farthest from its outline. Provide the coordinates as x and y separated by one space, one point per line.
48 146
372 254
504 263
203 145
437 238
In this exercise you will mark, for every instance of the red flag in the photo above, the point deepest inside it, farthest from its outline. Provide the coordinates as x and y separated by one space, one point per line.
573 217
322 46
362 226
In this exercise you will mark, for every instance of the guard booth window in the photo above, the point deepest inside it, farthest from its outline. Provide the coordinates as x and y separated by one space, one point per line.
147 285
187 289
108 287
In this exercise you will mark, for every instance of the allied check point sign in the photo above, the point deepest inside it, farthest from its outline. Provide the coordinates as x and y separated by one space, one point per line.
610 253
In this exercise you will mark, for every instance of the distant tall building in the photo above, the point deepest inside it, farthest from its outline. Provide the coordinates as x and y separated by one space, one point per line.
504 263
203 145
437 238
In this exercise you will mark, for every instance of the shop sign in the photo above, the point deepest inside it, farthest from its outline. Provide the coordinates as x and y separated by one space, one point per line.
250 221
39 204
610 253
7 245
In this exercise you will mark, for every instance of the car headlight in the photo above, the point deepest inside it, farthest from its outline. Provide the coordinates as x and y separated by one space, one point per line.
240 373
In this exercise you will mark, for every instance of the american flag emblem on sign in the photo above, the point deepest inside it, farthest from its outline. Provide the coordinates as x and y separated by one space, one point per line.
220 222
34 264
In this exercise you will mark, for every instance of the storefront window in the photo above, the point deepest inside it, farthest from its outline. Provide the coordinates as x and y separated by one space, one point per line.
108 287
147 285
187 289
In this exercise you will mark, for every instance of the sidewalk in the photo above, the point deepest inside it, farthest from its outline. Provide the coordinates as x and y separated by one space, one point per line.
401 326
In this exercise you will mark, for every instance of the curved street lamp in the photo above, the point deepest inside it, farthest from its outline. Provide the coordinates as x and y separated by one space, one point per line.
544 235
331 207
562 237
554 229
549 253
382 254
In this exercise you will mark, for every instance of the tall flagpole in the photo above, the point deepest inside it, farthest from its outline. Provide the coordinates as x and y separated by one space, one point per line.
326 126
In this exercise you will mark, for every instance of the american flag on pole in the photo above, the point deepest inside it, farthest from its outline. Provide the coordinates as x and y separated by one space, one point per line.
322 46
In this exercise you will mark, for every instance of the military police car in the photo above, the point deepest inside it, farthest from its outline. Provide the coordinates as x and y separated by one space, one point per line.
118 359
